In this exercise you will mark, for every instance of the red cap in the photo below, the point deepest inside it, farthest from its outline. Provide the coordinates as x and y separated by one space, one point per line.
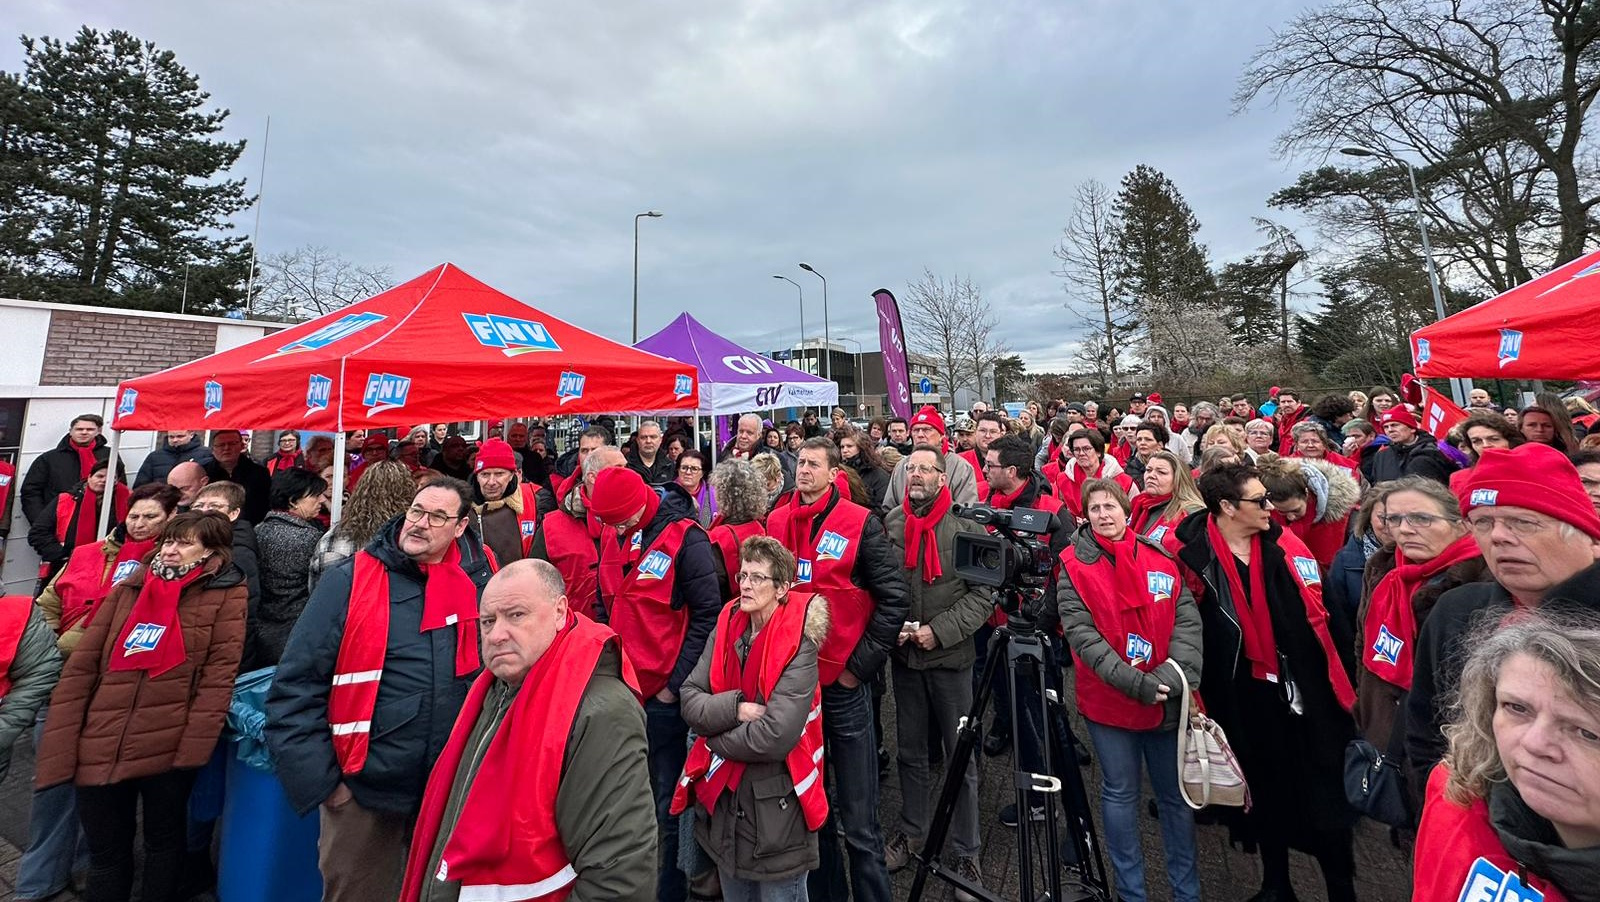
495 455
1154 398
1534 476
618 494
929 416
1398 414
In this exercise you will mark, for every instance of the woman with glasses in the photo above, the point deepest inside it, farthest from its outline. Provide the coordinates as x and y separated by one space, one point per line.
1260 437
1120 447
1086 461
289 455
691 477
1273 680
1433 553
755 771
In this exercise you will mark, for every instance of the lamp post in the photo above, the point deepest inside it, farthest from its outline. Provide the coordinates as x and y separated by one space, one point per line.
827 338
636 217
802 293
1456 388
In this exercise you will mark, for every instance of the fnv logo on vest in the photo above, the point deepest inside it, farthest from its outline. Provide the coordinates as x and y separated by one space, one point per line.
832 546
571 387
1487 497
213 398
1487 883
1424 352
1309 572
655 565
683 386
1160 585
510 336
385 391
128 401
802 571
123 571
1387 647
341 328
1510 346
529 527
318 390
143 637
1139 650
1158 535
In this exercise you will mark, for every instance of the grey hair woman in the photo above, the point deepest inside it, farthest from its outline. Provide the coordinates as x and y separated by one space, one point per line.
741 494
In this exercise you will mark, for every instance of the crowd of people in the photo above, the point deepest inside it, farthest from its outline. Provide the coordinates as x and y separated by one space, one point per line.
549 665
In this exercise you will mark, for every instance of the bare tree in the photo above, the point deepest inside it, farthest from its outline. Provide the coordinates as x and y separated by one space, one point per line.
1087 252
983 348
938 317
313 280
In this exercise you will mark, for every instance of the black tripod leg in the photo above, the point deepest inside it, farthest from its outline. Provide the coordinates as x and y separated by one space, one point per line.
1027 684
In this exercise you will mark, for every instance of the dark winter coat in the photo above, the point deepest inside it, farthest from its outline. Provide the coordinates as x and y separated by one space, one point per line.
1293 763
255 479
661 472
107 726
248 559
874 479
33 673
1343 590
160 461
418 697
286 544
1420 458
950 606
55 472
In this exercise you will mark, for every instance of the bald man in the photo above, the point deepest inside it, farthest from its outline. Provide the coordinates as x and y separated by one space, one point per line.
188 478
570 538
589 830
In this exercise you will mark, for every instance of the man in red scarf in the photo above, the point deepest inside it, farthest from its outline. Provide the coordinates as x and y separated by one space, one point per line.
543 790
64 466
372 677
570 536
932 663
928 428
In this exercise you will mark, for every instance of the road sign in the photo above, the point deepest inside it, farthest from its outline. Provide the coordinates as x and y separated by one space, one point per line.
926 385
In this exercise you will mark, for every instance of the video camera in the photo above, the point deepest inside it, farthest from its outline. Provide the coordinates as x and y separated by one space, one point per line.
1012 557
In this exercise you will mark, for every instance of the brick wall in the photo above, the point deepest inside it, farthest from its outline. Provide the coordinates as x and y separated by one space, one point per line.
91 348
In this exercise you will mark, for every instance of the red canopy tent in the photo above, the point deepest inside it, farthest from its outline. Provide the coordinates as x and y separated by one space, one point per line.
1537 330
442 347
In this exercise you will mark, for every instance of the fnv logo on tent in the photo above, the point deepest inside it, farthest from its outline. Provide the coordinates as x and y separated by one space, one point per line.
683 386
213 398
1510 346
143 637
571 387
341 328
128 401
1424 352
510 336
319 389
385 392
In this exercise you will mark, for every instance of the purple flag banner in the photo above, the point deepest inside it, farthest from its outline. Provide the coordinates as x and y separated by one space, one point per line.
892 342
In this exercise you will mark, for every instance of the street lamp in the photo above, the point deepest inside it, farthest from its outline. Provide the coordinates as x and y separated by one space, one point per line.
827 338
802 293
637 216
1456 387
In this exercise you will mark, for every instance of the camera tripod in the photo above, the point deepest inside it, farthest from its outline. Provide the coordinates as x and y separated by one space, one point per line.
1022 648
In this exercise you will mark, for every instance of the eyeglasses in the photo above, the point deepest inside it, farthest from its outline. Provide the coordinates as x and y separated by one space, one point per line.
754 579
1261 501
689 469
1521 527
1417 520
435 518
925 469
1266 432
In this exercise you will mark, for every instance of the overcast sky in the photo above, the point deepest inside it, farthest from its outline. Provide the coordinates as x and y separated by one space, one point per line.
518 140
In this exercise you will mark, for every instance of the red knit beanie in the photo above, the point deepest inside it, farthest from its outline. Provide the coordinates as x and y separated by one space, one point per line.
929 416
1398 414
495 455
618 494
1534 476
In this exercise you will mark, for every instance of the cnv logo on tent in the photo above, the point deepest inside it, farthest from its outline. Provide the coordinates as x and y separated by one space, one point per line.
511 336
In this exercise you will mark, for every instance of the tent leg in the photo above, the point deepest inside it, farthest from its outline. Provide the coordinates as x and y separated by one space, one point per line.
340 461
112 478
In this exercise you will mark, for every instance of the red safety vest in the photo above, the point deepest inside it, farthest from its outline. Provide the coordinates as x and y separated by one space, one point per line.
14 613
66 504
528 520
1140 640
640 602
87 578
730 538
569 549
1068 485
1460 856
982 484
280 461
708 776
824 565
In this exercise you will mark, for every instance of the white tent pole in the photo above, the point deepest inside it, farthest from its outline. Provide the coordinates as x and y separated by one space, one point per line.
112 479
340 460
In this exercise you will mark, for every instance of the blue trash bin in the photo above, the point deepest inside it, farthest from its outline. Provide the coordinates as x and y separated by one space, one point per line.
268 853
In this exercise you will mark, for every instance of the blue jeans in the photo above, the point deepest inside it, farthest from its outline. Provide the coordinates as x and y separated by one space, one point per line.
1119 753
735 889
56 846
668 738
852 757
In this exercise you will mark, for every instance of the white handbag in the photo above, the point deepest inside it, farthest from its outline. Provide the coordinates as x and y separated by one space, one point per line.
1208 773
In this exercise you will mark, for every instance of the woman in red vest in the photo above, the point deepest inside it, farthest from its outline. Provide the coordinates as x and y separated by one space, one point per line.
741 507
755 702
1512 811
73 520
1129 620
1312 499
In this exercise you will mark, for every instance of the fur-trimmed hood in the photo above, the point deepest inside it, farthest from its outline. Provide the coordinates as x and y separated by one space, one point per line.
818 619
1337 491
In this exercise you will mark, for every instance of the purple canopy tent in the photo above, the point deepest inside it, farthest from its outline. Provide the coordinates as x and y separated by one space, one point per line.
734 379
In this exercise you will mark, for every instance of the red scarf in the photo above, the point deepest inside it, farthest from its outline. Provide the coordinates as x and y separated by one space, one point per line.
1255 620
920 538
1005 502
802 516
88 518
1132 592
450 598
152 637
86 458
1143 505
1389 656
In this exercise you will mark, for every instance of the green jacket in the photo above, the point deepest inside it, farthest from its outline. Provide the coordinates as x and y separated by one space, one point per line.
33 673
953 609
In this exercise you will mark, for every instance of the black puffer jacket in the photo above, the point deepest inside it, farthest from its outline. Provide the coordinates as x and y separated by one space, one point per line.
285 545
57 471
874 479
160 461
418 697
1420 458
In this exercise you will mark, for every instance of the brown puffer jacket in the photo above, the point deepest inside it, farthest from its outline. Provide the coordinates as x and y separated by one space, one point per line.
105 727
